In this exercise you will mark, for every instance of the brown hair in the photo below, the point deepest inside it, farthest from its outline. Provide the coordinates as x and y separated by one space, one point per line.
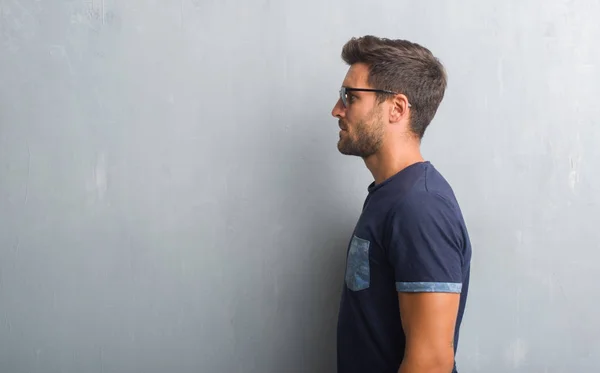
404 67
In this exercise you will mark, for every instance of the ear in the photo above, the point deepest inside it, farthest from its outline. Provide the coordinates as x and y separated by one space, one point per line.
399 108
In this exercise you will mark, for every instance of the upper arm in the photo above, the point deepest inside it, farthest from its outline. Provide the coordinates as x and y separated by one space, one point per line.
426 251
428 320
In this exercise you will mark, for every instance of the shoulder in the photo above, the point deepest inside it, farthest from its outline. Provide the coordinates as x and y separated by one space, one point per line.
432 194
431 216
423 205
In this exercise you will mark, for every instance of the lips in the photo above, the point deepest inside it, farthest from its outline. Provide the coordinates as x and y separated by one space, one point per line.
342 127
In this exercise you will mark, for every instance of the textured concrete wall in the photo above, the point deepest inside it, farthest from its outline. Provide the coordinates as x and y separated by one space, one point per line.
172 199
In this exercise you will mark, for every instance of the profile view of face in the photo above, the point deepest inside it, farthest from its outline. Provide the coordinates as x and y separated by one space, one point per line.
360 117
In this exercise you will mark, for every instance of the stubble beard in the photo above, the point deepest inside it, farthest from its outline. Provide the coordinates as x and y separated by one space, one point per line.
363 139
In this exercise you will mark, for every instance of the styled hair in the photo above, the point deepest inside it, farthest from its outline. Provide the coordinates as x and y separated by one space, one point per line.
404 67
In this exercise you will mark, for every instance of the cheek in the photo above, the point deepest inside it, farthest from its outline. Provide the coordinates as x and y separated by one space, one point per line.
351 117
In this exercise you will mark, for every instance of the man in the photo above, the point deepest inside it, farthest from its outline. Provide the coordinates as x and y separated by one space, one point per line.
408 260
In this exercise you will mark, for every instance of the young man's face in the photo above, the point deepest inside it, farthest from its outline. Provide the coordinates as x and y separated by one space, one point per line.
362 119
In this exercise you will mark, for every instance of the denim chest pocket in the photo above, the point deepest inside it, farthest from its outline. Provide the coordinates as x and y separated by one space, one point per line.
358 274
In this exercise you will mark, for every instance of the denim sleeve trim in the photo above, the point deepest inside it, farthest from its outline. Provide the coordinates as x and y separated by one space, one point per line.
429 287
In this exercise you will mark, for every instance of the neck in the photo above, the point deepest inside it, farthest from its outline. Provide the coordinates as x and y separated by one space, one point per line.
386 163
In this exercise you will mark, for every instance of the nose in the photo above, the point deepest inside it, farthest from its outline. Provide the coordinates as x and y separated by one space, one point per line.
338 110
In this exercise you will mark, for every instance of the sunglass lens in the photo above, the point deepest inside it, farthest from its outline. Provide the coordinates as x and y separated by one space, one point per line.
343 96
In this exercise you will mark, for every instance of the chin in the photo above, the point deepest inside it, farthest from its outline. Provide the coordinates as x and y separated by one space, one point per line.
344 150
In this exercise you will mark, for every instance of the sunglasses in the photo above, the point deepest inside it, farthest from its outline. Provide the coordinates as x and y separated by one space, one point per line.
344 93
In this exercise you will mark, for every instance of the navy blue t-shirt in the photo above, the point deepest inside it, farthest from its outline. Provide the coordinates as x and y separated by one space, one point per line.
410 237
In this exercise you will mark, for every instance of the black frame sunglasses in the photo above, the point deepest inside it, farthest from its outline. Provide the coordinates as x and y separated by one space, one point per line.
344 90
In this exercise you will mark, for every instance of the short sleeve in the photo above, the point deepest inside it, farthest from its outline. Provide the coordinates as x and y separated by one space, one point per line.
425 244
